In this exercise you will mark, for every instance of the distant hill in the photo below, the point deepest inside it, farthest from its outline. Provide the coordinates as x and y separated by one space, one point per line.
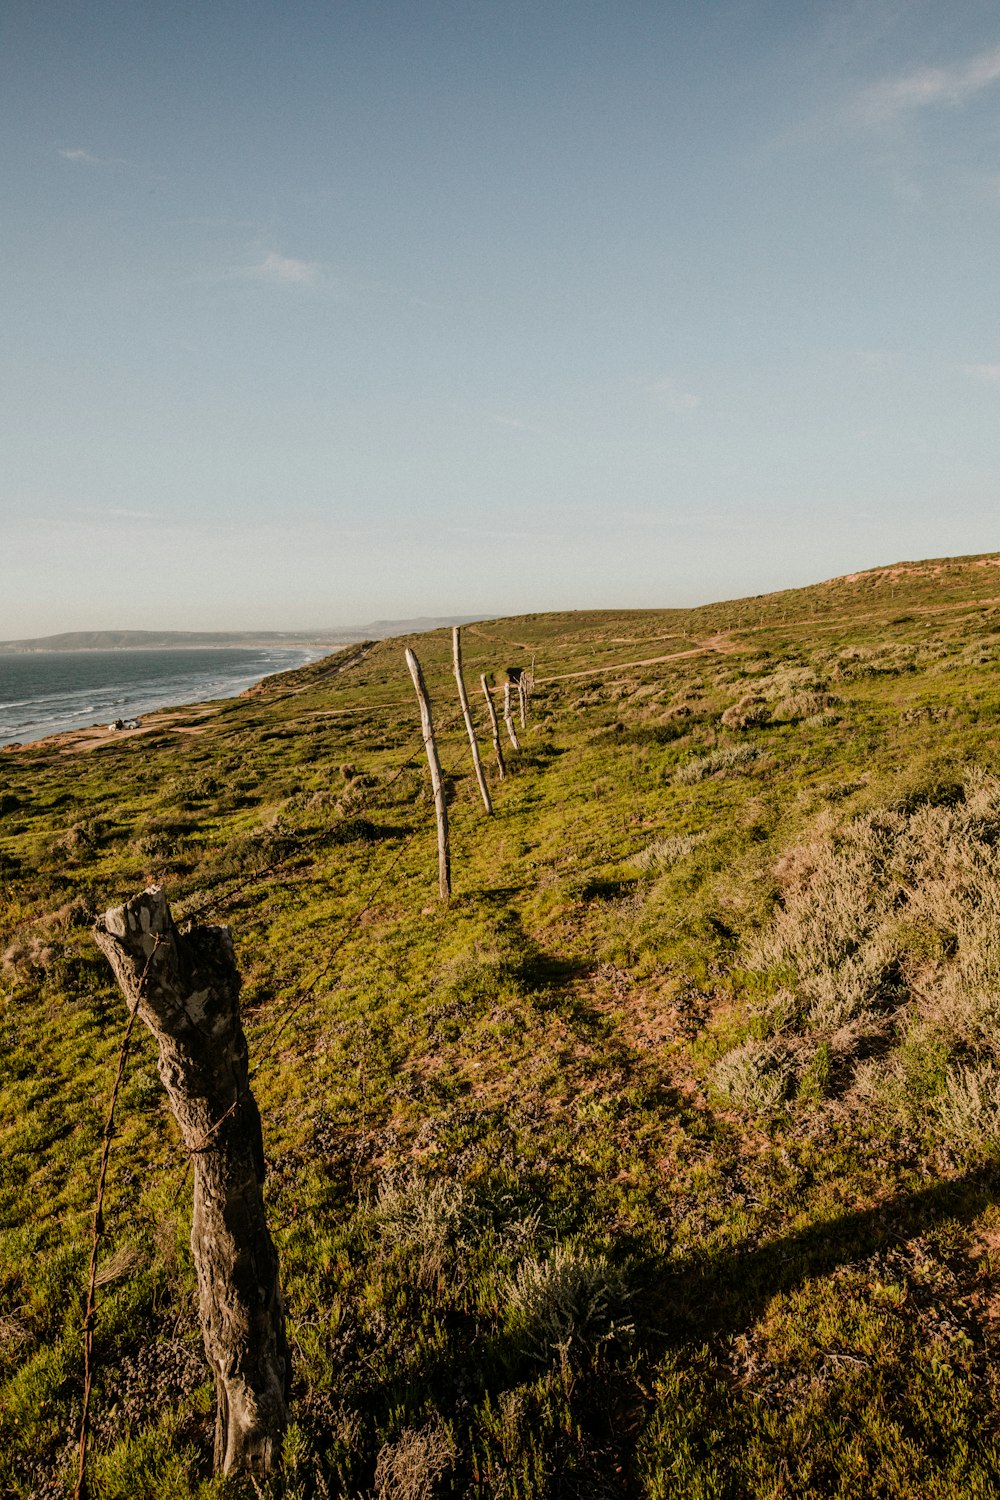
153 640
380 630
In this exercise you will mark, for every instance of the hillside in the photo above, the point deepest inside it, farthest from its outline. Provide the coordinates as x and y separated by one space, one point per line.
661 1161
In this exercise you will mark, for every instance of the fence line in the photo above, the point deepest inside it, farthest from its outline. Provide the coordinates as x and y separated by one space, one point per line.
266 1046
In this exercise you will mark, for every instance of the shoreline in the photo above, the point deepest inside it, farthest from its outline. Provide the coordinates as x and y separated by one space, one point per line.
73 737
93 736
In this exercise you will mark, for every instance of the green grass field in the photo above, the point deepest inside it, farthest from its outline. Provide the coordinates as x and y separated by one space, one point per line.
661 1161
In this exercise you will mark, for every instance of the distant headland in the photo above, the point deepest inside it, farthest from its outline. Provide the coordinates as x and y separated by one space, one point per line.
156 640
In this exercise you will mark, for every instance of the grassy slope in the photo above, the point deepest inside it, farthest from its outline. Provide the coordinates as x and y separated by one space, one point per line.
659 1163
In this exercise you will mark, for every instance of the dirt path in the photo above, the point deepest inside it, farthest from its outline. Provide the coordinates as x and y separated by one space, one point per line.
716 643
497 640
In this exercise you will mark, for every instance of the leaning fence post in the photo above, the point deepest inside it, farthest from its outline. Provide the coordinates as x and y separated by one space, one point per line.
463 698
508 717
494 726
437 781
185 986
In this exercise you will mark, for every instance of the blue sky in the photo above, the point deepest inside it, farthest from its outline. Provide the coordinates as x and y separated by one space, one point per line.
321 312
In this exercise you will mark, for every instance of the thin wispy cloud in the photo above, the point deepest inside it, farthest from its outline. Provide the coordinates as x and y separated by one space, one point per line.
283 270
905 93
518 426
988 373
678 401
76 153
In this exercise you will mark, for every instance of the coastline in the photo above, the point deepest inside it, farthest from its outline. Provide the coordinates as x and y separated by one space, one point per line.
70 741
185 716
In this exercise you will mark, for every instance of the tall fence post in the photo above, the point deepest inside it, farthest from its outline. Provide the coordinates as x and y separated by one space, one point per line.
463 698
508 717
494 726
437 781
185 987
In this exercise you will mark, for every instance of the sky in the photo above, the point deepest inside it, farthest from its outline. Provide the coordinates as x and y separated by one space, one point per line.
317 313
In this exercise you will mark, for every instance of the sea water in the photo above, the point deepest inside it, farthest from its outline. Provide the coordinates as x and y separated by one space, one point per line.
45 692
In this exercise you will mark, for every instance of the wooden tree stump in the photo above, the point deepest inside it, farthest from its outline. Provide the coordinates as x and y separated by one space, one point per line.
186 987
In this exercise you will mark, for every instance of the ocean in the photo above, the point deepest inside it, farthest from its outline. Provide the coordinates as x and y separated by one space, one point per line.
45 692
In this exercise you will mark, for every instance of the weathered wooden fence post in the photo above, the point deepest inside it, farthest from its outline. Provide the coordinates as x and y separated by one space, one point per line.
463 698
508 717
437 781
516 675
186 988
494 726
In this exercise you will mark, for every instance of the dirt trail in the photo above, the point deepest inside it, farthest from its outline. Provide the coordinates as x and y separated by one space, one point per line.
497 640
715 643
358 708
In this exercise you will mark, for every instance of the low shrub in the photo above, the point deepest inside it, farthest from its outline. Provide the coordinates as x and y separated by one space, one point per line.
969 1112
411 1467
751 712
568 1297
755 1076
665 853
727 758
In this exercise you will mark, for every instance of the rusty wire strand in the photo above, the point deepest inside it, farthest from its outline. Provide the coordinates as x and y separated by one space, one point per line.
97 1229
287 1016
284 1020
270 1044
216 903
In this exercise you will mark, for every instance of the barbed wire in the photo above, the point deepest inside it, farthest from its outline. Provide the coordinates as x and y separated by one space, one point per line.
267 1045
310 841
97 1230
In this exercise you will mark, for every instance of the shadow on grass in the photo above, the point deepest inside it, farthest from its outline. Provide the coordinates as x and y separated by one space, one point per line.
549 971
608 890
727 1291
538 758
